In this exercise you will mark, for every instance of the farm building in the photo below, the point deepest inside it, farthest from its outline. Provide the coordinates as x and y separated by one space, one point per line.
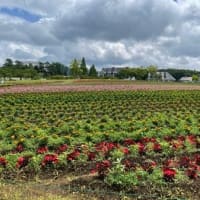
186 79
163 76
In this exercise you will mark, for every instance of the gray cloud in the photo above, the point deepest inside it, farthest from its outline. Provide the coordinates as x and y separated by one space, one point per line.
116 20
106 32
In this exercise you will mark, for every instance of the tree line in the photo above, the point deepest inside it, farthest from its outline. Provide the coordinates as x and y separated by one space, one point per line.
77 69
150 72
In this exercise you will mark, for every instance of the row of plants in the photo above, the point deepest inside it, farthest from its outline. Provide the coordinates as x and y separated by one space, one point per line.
127 139
161 160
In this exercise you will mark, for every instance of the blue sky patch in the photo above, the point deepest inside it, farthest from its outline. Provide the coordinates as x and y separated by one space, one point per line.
21 13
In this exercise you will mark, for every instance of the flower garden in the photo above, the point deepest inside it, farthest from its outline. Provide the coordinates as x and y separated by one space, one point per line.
129 140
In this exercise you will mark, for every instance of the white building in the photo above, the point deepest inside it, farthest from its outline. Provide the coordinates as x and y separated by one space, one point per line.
163 76
166 76
186 79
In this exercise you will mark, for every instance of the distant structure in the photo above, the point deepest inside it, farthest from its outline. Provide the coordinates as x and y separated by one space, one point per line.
186 79
110 71
33 63
163 76
166 76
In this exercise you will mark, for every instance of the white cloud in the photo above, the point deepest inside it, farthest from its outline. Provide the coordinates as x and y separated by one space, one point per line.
106 32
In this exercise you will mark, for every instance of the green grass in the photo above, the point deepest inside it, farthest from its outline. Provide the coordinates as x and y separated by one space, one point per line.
88 82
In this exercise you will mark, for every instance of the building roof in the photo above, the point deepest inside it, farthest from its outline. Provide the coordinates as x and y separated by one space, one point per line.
186 78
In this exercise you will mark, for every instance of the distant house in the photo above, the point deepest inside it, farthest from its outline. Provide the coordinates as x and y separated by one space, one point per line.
186 79
110 71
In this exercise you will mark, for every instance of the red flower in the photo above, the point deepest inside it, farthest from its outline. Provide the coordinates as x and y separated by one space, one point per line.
157 147
19 148
149 166
192 174
3 161
170 163
102 167
125 151
181 138
50 159
129 164
141 148
42 150
192 139
197 159
177 144
106 146
168 138
145 140
73 155
192 171
62 149
169 174
184 162
22 162
91 156
128 142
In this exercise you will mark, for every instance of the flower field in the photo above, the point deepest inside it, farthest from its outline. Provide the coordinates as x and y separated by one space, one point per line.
130 140
102 85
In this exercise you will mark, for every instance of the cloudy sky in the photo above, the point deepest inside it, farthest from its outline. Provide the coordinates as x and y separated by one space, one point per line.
165 33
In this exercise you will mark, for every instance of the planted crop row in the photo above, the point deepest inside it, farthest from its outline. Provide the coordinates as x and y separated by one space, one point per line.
127 138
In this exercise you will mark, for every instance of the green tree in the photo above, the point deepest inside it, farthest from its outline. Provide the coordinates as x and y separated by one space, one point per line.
19 64
93 71
83 67
56 69
74 68
152 72
8 63
195 77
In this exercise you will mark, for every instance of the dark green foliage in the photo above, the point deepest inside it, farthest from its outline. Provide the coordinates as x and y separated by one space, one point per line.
83 67
19 69
74 68
93 71
138 73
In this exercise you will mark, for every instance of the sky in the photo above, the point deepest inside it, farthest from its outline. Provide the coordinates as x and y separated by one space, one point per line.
107 33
